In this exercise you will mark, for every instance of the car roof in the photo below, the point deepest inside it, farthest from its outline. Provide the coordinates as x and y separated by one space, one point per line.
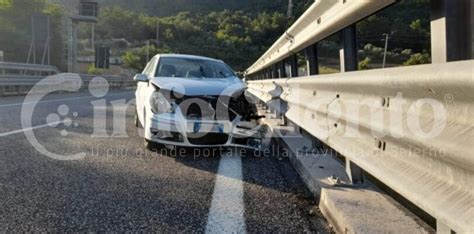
187 56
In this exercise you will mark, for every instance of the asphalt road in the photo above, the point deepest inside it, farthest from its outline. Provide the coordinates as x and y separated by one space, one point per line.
120 186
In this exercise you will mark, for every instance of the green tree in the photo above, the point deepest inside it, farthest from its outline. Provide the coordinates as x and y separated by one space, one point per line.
5 4
15 28
364 64
136 58
239 37
417 59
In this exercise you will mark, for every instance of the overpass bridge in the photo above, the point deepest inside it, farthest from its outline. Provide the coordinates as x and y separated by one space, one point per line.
342 143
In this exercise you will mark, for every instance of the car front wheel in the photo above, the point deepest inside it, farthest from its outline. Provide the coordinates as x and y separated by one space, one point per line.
149 145
137 121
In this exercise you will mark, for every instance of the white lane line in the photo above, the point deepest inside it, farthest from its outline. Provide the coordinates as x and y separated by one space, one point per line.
29 129
59 100
227 206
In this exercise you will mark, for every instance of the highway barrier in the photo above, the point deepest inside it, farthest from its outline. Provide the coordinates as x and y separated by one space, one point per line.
321 20
19 85
409 127
27 69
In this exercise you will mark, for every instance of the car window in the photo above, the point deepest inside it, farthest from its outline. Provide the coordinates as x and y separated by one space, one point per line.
149 68
193 68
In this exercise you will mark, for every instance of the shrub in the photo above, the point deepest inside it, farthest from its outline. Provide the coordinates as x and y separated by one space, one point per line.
92 70
364 64
418 58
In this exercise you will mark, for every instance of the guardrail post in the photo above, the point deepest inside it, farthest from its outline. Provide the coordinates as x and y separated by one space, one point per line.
312 59
274 71
348 53
349 63
452 36
73 59
294 65
354 172
282 69
316 144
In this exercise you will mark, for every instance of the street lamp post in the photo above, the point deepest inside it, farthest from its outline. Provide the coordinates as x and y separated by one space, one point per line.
385 51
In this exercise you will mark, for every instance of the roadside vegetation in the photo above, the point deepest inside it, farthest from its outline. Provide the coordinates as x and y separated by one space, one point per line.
215 29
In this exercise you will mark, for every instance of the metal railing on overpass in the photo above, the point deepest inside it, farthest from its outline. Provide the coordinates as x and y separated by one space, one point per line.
27 69
377 119
321 20
371 118
16 85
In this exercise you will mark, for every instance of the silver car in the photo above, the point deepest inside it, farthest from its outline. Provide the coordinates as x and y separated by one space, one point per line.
193 101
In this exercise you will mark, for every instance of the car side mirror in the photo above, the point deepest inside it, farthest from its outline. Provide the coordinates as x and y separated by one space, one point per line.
140 78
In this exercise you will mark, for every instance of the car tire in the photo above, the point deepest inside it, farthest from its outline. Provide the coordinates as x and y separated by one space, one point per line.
149 145
137 121
266 147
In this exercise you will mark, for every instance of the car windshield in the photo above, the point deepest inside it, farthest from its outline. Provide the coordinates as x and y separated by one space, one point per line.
193 68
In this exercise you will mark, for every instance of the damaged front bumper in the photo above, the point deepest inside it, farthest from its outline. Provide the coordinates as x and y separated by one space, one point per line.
168 129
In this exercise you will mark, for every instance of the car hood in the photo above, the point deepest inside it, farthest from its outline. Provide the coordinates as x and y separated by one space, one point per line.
197 87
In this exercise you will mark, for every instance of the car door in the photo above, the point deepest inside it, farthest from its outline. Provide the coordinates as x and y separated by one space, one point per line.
142 90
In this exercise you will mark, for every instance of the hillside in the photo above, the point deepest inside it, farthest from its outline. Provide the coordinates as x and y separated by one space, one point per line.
237 31
163 8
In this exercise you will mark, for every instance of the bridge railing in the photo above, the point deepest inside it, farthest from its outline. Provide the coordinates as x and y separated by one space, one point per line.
373 119
27 69
17 85
377 119
321 20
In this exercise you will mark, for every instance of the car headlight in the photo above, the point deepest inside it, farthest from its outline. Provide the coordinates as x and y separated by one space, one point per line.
159 104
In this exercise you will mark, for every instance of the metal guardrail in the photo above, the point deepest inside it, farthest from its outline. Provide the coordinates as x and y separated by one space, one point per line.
331 106
14 85
360 115
321 20
22 67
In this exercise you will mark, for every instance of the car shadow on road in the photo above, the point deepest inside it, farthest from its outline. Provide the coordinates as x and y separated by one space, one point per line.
271 170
